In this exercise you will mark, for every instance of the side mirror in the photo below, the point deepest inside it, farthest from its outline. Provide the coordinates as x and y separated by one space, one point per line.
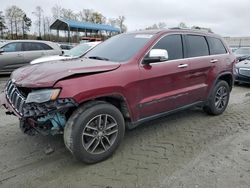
1 51
156 55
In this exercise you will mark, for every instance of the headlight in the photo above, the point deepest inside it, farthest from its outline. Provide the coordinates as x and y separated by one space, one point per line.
43 95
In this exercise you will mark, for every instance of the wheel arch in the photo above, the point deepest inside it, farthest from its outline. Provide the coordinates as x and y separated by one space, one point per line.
226 76
116 99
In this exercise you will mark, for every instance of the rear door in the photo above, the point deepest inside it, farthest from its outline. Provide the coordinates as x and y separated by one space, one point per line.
12 57
33 50
163 85
202 66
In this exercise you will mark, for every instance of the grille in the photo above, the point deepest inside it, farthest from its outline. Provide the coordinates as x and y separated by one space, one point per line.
15 98
244 72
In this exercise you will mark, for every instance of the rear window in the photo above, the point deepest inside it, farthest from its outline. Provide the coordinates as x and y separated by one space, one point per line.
197 46
216 46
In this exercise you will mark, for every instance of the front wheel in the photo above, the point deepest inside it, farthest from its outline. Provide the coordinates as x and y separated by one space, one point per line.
94 132
218 99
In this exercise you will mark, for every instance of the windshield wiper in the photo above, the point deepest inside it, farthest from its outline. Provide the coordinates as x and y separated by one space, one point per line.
98 58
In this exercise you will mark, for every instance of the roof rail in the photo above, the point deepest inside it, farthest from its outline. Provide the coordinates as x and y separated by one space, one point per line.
194 28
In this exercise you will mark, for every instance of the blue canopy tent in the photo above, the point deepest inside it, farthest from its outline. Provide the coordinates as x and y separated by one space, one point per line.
76 26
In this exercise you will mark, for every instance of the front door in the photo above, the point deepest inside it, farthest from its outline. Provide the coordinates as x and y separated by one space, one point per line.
164 85
12 57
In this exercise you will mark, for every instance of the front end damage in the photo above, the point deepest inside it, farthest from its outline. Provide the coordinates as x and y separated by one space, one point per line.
44 117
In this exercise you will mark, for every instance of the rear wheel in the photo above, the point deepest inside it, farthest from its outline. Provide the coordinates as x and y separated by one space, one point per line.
94 132
219 98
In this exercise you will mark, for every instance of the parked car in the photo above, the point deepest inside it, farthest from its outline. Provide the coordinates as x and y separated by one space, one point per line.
15 54
233 49
242 71
242 53
66 47
126 80
75 52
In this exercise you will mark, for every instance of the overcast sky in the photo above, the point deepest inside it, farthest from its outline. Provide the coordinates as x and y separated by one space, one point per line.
225 17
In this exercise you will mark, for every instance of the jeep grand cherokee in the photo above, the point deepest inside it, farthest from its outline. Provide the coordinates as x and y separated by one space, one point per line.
123 82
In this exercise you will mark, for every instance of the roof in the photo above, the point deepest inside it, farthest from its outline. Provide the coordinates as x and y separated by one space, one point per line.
63 24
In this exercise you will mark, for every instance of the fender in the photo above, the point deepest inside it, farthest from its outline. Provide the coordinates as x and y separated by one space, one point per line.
218 77
111 95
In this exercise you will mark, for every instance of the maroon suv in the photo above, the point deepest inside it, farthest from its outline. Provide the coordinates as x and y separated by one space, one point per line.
127 80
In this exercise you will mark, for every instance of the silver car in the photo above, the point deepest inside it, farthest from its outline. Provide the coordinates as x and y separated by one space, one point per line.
15 54
76 52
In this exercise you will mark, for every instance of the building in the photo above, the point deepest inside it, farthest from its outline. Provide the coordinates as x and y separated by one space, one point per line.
237 42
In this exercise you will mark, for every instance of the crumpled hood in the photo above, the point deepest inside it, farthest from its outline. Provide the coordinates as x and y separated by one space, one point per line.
243 64
47 74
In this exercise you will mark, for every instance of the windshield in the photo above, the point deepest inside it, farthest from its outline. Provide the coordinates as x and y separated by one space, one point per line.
243 51
119 48
78 50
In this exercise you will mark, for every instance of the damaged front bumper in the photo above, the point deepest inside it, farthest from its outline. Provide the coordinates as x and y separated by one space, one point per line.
46 118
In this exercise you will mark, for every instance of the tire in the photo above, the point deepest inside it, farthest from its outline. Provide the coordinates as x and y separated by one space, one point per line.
87 139
218 100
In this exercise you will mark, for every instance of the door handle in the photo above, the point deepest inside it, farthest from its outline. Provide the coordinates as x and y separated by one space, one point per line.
214 61
182 65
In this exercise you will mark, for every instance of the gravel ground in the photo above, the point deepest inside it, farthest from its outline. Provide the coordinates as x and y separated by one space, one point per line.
187 149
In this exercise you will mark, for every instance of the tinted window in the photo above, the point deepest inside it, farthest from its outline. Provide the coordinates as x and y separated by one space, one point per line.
173 44
216 46
13 47
45 46
120 48
197 46
35 46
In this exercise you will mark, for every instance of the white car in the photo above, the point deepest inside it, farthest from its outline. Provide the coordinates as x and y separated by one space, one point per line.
75 52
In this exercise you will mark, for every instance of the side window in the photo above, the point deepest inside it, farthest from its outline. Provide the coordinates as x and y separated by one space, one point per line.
173 44
216 46
36 46
30 46
196 46
13 47
44 46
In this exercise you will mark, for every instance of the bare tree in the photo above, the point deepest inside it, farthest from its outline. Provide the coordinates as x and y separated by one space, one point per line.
98 18
56 11
85 15
14 16
182 25
39 14
160 25
121 25
69 14
26 24
2 24
46 25
118 22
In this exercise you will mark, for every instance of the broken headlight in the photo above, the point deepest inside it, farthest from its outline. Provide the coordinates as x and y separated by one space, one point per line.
44 95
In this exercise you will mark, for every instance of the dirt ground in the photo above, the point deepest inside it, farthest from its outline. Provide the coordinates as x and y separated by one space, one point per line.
187 149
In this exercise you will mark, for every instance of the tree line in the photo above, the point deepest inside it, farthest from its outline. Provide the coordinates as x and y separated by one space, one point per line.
15 24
